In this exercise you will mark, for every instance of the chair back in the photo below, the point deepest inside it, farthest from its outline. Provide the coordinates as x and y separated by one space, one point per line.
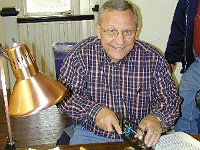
60 50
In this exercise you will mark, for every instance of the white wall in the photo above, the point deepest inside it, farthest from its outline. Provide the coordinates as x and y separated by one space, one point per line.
156 18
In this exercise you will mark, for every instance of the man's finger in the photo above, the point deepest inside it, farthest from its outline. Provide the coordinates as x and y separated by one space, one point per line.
141 130
116 126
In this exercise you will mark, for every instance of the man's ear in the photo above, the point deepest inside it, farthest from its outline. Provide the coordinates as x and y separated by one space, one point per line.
137 33
98 31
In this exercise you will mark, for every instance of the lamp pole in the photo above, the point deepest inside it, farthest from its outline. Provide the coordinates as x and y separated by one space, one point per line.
10 145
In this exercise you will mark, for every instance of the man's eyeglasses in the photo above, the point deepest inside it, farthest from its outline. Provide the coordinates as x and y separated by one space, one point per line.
114 33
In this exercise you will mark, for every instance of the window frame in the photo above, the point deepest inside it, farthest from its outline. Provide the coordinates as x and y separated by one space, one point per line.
75 9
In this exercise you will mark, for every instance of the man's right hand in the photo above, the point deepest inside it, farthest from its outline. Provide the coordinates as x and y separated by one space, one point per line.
107 120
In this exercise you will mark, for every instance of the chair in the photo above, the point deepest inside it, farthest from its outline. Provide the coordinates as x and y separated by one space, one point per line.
60 50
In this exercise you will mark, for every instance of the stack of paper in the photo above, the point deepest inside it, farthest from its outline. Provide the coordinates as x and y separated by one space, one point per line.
177 141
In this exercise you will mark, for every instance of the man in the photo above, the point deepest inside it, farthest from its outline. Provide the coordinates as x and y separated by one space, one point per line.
113 72
181 48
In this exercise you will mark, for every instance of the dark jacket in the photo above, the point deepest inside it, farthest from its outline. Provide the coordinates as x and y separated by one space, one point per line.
180 43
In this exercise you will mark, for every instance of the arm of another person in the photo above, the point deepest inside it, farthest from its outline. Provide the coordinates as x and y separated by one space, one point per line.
176 42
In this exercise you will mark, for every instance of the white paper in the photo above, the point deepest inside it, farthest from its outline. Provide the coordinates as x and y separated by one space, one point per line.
177 141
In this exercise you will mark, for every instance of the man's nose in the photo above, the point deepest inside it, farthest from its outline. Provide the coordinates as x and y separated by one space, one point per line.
120 39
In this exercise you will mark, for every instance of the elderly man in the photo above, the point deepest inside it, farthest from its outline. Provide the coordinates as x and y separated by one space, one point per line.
113 72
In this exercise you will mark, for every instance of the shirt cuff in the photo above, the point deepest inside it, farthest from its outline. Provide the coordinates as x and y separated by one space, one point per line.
94 109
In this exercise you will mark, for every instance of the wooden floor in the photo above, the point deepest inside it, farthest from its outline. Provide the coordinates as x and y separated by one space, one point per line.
43 128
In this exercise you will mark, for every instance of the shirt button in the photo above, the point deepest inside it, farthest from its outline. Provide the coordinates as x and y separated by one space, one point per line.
116 84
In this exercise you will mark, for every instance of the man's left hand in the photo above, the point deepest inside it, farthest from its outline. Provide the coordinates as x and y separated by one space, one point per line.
152 126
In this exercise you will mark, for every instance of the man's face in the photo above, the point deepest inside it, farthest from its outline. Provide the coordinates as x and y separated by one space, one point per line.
117 46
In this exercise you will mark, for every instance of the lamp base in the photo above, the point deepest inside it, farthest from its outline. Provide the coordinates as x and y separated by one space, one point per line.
10 146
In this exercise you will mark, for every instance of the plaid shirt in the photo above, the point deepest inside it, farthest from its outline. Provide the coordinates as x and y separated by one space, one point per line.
139 84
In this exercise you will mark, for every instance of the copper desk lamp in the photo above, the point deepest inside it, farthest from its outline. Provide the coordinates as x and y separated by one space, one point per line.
33 91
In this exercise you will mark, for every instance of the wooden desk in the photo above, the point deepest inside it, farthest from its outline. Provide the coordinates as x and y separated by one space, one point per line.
98 146
197 137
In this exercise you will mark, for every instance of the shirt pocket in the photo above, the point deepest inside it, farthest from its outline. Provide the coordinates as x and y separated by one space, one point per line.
137 104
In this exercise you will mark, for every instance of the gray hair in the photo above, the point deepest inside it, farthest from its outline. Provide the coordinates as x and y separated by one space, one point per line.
120 5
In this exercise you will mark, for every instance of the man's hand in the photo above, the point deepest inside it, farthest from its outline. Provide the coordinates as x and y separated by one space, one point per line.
152 126
107 120
172 67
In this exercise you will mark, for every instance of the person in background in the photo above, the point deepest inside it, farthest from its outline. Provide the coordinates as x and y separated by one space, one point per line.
183 46
113 72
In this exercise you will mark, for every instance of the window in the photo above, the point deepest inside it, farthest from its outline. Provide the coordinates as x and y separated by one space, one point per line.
47 6
51 7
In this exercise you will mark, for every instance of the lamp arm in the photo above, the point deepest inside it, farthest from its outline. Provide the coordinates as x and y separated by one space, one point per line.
10 144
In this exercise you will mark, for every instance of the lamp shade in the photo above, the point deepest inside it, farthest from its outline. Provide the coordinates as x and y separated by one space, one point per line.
33 91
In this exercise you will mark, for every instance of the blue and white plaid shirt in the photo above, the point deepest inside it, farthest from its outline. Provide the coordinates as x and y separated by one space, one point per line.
139 84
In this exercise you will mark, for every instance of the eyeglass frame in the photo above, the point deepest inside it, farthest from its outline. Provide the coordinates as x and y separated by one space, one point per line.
116 32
